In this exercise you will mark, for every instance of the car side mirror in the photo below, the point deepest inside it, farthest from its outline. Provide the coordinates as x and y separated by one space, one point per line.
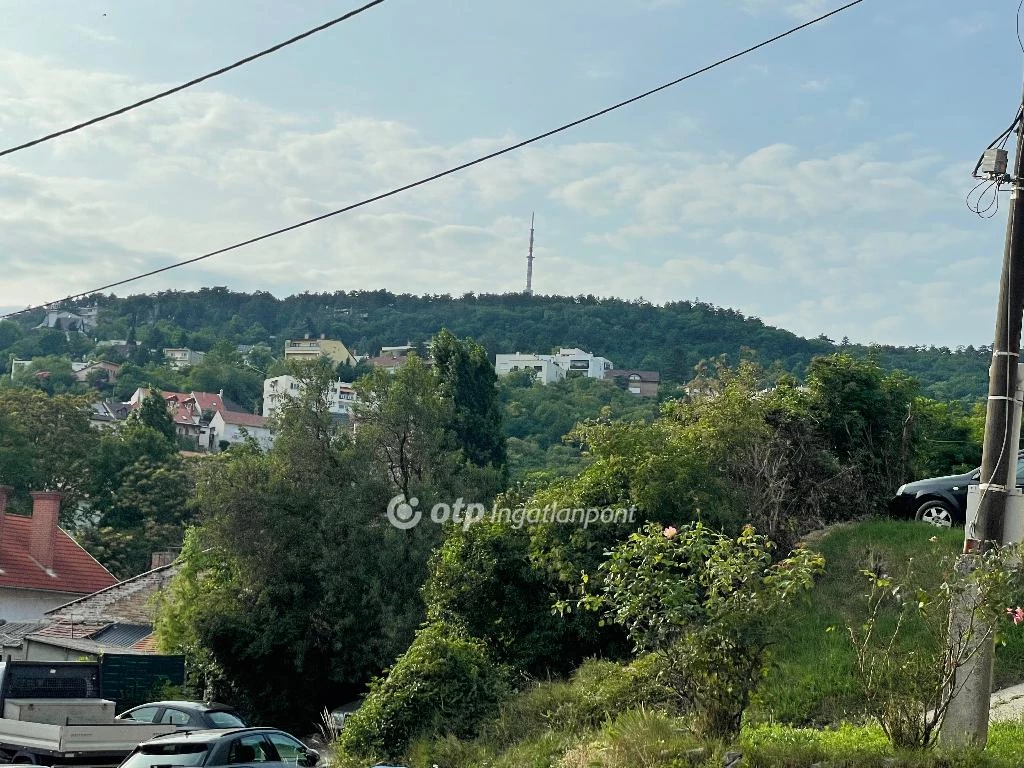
310 758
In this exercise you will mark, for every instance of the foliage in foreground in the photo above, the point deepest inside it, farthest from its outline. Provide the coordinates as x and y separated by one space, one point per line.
643 737
444 685
706 605
813 678
908 688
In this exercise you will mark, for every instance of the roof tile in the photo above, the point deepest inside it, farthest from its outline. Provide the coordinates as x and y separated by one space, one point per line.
75 571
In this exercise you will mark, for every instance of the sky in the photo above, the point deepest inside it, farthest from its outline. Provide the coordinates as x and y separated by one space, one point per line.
818 184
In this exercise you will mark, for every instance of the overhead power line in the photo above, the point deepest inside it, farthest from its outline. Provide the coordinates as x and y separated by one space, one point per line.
190 83
450 171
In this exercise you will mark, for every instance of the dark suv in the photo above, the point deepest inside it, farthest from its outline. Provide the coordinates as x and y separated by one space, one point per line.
263 747
940 501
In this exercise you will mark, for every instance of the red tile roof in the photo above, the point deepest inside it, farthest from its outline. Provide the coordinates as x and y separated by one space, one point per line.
75 571
207 401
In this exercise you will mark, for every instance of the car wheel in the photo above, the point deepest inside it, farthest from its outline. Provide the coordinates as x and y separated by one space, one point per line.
937 513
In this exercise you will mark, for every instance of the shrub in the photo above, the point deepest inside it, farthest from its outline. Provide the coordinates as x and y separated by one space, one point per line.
444 684
704 604
908 686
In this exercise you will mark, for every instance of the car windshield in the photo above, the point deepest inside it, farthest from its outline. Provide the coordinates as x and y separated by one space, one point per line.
191 754
222 719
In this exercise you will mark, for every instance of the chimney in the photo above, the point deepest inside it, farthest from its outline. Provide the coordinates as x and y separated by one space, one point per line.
5 491
160 559
45 512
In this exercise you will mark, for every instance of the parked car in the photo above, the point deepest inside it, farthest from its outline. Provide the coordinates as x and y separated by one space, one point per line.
268 747
940 501
185 714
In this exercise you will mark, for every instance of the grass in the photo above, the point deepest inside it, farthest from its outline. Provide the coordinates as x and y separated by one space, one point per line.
609 715
642 738
812 679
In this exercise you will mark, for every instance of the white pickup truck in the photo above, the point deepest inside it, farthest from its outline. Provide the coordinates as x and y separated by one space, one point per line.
51 713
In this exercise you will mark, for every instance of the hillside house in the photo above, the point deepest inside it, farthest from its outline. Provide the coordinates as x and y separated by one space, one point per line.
341 396
192 413
232 427
183 357
566 363
110 370
307 349
641 383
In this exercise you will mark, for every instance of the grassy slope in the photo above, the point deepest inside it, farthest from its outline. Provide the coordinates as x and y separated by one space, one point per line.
603 719
812 681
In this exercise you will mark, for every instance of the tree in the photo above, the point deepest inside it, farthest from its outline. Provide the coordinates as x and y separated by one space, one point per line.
404 424
45 444
706 605
445 684
327 592
865 417
468 381
147 512
155 414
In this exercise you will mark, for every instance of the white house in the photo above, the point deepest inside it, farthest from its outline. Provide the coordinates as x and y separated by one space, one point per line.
544 367
576 362
232 427
183 357
567 362
341 397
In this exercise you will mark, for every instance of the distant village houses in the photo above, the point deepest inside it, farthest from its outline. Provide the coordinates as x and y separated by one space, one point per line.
207 419
570 362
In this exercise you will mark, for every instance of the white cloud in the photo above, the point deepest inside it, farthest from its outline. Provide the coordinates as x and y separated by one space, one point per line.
814 86
813 240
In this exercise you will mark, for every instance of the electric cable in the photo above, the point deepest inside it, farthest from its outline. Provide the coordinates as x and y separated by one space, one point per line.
190 83
461 167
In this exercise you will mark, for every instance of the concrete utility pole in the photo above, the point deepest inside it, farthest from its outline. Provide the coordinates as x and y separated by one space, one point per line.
966 720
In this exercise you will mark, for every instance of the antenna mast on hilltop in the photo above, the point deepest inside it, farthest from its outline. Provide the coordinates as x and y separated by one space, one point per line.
529 262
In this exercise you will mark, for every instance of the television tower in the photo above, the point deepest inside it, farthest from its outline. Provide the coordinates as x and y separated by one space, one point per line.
529 262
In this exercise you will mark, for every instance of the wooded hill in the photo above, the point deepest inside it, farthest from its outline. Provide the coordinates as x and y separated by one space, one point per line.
670 338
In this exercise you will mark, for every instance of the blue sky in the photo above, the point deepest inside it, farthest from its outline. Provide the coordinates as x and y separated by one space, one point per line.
817 185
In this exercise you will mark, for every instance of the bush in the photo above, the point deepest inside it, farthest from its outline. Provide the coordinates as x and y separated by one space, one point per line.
444 684
597 691
706 605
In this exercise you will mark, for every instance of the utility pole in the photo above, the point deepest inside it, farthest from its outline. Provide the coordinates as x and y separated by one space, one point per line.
966 721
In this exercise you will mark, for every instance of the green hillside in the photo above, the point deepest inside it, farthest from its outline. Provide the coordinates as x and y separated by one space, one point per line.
670 338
